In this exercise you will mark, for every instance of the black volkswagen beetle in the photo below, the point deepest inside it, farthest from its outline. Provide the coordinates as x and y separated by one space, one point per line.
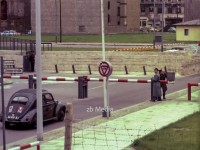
21 108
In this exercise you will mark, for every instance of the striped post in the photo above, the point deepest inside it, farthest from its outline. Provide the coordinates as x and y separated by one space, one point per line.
190 89
33 144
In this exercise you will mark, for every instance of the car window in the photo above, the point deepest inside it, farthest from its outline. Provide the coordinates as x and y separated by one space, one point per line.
20 99
47 98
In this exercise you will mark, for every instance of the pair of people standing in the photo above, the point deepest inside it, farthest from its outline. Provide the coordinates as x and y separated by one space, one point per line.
159 75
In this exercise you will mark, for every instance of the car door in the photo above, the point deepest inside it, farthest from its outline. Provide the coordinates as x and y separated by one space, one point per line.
48 106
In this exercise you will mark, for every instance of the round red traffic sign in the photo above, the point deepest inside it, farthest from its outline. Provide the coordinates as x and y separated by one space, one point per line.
105 68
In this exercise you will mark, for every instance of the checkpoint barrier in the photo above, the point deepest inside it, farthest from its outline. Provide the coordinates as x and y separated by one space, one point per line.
82 82
30 145
86 78
190 89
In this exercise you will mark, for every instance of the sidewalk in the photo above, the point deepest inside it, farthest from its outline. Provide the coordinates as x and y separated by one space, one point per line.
119 133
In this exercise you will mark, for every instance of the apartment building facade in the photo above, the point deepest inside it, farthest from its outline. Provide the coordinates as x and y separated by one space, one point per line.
84 16
173 12
192 11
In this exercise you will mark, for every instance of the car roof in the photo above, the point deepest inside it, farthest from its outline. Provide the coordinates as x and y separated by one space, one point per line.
30 91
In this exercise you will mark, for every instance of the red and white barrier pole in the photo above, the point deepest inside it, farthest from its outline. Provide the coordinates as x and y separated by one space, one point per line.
33 144
88 79
190 89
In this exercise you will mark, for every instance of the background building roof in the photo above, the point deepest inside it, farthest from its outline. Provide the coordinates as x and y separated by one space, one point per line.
189 23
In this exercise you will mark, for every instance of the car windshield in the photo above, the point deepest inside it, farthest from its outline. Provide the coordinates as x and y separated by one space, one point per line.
20 99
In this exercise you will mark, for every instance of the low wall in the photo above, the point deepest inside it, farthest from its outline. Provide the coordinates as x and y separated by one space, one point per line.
183 63
180 62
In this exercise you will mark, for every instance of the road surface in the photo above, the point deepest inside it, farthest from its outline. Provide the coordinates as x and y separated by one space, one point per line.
121 95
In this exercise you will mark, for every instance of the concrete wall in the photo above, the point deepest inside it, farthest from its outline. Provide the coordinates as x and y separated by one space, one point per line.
194 33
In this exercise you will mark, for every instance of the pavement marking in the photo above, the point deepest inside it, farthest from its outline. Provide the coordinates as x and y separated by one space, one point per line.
99 86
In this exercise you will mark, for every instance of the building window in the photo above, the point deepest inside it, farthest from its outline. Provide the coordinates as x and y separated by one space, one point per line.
178 10
159 10
186 32
150 9
4 10
81 28
118 11
108 19
108 5
170 10
118 22
142 9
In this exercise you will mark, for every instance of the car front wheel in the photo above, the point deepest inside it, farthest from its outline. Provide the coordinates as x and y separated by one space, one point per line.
61 115
34 122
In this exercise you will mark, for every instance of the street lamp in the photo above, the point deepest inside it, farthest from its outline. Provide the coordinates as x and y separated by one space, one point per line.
154 21
60 22
177 11
163 7
38 63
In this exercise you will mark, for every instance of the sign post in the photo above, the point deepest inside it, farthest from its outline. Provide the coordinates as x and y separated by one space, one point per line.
3 109
105 70
39 72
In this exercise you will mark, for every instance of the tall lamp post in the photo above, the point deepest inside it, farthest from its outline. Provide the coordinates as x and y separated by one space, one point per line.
163 11
177 11
60 22
39 71
154 21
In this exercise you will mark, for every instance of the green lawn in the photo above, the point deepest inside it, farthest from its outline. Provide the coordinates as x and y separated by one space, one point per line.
182 135
114 38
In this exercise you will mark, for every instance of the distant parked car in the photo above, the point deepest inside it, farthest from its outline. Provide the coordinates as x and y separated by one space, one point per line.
177 49
172 29
7 33
14 32
21 108
29 32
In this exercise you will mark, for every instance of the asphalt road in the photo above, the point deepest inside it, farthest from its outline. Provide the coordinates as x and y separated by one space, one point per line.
121 95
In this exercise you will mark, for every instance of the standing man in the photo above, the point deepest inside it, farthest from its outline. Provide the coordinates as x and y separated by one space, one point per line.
156 86
163 76
32 61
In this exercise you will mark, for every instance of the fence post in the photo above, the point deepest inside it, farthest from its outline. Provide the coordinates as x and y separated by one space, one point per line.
38 147
56 68
152 98
3 41
68 127
73 69
0 42
126 69
10 43
89 68
189 92
30 81
144 69
6 43
13 43
165 69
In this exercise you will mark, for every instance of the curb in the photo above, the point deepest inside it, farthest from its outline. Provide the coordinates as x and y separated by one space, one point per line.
7 82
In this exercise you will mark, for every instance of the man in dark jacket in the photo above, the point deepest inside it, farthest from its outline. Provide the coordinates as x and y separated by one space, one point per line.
156 86
32 61
163 76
